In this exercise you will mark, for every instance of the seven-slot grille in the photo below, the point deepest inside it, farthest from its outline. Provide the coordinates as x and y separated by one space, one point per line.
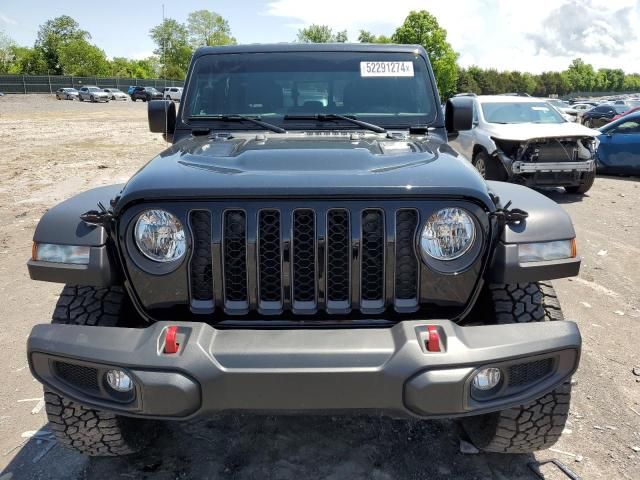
304 260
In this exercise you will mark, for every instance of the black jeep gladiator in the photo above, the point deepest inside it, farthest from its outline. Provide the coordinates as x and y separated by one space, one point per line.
309 243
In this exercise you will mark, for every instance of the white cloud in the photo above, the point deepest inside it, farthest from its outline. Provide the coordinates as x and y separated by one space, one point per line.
502 34
7 20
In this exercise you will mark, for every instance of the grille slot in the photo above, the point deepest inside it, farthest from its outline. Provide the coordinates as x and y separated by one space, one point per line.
79 376
201 271
304 257
526 373
235 259
269 256
338 261
372 260
406 286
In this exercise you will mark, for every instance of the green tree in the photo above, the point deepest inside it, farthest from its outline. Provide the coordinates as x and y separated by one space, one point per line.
79 57
27 61
467 83
53 35
208 28
317 34
368 37
6 52
581 76
422 28
172 47
341 37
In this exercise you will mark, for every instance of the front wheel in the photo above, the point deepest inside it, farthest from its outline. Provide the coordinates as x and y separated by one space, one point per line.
536 425
86 430
586 184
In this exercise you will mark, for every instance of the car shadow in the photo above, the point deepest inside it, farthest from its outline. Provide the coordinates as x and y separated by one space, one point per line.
559 195
289 447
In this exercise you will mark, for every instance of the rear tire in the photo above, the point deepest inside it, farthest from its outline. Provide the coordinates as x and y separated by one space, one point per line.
585 186
88 431
539 424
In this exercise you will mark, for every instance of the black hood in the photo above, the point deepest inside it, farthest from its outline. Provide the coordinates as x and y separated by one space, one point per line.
319 164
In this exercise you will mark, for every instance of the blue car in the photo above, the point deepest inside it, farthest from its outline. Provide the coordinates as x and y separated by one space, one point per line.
619 149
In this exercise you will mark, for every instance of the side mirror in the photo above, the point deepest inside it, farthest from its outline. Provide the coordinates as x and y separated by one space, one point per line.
458 115
162 116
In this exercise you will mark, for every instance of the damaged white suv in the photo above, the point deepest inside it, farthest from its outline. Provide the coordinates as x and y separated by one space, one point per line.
525 140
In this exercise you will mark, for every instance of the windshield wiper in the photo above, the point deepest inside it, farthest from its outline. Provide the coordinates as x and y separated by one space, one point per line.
241 118
327 117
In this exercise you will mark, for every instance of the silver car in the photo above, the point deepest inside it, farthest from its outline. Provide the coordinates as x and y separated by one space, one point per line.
116 94
67 94
526 140
93 94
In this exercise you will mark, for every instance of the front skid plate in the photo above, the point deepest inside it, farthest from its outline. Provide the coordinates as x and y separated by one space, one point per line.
384 369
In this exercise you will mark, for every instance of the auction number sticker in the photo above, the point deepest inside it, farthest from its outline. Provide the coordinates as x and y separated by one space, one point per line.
386 69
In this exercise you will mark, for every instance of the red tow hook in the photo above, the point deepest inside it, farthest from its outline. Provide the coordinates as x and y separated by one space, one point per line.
170 343
433 339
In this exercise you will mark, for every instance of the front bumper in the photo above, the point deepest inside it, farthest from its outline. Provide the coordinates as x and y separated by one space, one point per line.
305 370
529 167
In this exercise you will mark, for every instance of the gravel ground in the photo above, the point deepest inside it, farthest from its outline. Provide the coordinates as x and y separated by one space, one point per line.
54 149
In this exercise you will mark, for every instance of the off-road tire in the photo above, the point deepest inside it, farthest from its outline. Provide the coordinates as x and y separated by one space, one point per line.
585 186
539 424
88 431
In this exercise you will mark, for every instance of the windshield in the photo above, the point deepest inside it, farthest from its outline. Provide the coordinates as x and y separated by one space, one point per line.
521 112
382 88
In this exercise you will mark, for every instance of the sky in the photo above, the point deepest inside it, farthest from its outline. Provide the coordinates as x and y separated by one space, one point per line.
532 36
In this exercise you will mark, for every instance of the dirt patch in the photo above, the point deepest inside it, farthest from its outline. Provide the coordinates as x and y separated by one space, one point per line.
54 149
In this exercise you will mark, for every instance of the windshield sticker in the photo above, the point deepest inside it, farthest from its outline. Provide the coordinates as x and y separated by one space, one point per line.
386 69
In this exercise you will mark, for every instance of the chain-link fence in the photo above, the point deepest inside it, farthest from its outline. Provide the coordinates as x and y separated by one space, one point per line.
51 83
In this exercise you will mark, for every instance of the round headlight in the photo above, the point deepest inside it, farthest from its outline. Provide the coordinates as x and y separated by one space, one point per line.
160 236
448 234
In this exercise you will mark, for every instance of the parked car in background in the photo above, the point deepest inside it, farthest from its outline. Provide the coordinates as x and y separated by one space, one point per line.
93 94
172 93
116 94
620 115
131 89
619 146
599 116
568 112
67 94
145 94
580 108
527 141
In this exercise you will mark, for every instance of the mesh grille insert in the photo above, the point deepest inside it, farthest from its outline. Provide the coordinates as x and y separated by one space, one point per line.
235 256
338 241
269 256
526 373
84 378
372 255
304 264
201 273
406 261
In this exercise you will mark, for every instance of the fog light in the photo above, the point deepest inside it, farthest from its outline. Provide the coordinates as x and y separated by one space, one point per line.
119 381
486 379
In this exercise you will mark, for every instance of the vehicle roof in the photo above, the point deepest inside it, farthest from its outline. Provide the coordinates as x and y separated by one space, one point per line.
308 47
510 99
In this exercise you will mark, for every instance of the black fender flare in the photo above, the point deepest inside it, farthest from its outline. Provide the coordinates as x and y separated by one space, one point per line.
62 225
547 222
